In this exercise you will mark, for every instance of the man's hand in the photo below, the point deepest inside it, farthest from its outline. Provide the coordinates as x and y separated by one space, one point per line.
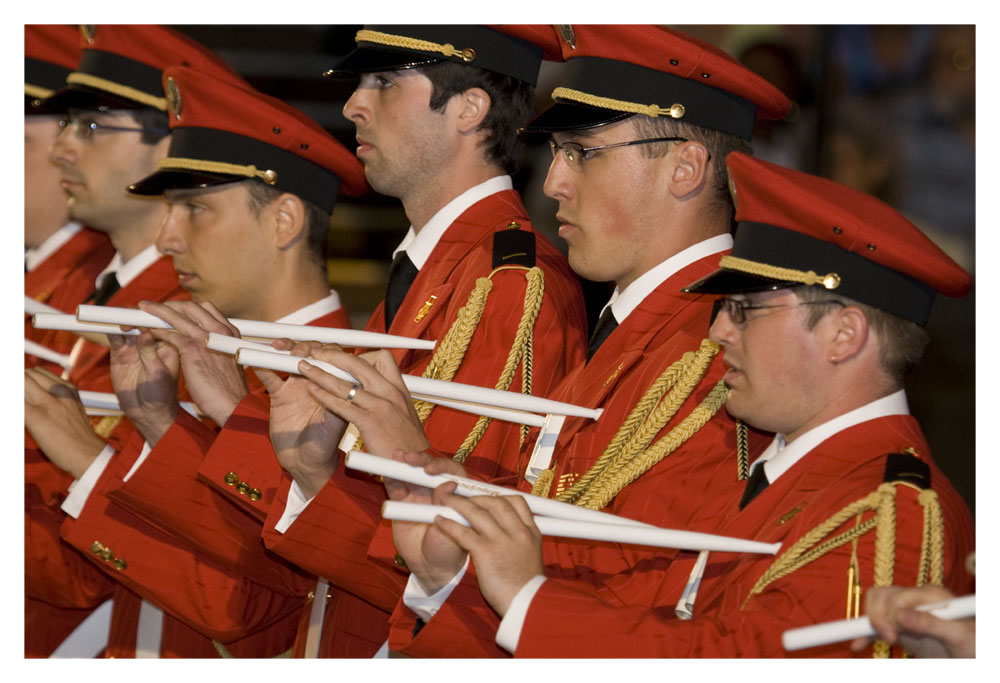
305 435
505 544
57 421
890 610
144 376
380 407
214 380
430 555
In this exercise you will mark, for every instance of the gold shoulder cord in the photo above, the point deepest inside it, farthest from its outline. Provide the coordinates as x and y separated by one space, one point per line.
629 454
451 350
106 425
882 502
742 451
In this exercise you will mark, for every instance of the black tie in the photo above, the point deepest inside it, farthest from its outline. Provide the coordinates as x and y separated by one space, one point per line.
755 484
605 326
401 276
109 285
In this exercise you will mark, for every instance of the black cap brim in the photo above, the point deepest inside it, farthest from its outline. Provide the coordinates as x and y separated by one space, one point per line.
154 185
368 59
564 116
725 281
78 97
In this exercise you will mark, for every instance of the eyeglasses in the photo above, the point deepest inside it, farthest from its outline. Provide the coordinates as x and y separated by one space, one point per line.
84 127
575 154
737 309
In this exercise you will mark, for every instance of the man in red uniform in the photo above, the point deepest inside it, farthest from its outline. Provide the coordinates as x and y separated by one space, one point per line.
620 179
250 183
644 204
436 128
828 292
59 254
61 260
116 132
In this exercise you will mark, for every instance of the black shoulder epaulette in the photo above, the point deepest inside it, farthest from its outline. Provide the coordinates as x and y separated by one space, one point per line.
909 468
513 247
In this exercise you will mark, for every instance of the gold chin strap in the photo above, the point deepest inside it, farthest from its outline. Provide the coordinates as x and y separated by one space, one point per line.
183 164
675 111
629 454
882 502
407 43
806 277
117 89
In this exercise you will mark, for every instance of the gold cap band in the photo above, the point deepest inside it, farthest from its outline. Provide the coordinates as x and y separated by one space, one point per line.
806 277
180 164
118 89
36 91
675 111
406 43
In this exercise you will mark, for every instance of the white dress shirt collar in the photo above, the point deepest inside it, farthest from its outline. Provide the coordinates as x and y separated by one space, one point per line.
418 246
52 243
126 272
314 311
779 456
624 302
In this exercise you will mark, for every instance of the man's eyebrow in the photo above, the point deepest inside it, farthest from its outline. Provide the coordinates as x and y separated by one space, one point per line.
179 194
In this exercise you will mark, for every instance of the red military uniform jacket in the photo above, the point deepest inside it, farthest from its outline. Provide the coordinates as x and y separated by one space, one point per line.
64 280
206 596
665 325
331 537
568 619
46 484
167 493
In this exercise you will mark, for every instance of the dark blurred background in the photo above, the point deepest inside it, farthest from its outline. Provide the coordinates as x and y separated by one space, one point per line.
889 110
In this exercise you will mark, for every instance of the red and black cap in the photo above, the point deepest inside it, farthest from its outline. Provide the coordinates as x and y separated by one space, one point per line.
797 229
393 47
223 133
122 67
614 72
51 53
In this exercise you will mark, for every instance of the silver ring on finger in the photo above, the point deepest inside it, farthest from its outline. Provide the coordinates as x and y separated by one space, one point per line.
353 392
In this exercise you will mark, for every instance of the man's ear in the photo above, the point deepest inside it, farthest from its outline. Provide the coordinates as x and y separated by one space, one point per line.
849 334
289 220
690 171
473 106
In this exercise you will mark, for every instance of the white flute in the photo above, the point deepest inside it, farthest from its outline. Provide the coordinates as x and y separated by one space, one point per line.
35 349
223 343
849 629
261 329
106 403
65 321
231 345
421 387
31 307
373 464
612 533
